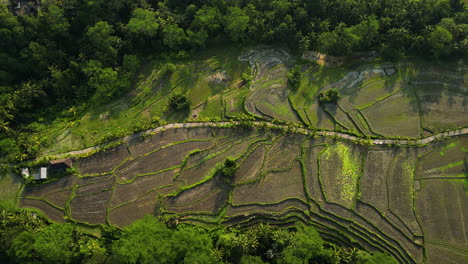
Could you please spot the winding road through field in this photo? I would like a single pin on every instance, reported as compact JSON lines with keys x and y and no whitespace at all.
{"x":259,"y":124}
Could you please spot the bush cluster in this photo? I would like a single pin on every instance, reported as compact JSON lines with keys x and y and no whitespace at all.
{"x":330,"y":96}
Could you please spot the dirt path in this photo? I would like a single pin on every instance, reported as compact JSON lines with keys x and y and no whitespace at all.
{"x":383,"y":141}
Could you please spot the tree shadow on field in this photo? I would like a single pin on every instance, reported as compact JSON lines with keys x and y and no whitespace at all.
{"x":177,"y":116}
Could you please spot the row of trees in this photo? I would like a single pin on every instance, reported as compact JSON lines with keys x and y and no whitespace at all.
{"x":27,"y":239}
{"x":77,"y":53}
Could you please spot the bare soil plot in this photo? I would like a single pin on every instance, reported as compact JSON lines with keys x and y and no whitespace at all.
{"x":393,"y":236}
{"x":96,"y":187}
{"x":437,"y":254}
{"x":140,"y":147}
{"x":127,"y":214}
{"x":249,"y":170}
{"x":59,"y":198}
{"x":274,"y":188}
{"x":340,"y":166}
{"x":197,"y":192}
{"x":312,"y":178}
{"x":102,"y":162}
{"x":444,"y":161}
{"x":159,"y":160}
{"x":141,"y":185}
{"x":90,"y":208}
{"x":442,"y":208}
{"x":373,"y":185}
{"x":43,"y":190}
{"x":92,"y":179}
{"x":209,"y":203}
{"x":397,"y":115}
{"x":201,"y":166}
{"x":400,"y":182}
{"x":49,"y":211}
{"x":281,"y":207}
{"x":282,"y":155}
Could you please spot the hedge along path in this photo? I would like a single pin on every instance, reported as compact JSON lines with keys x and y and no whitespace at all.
{"x":403,"y":142}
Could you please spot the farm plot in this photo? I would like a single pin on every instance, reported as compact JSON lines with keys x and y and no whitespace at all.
{"x":161,"y":159}
{"x":273,"y":188}
{"x":95,"y":187}
{"x":234,"y":103}
{"x":269,"y":94}
{"x":250,"y":168}
{"x":43,"y":190}
{"x":139,"y":147}
{"x":442,"y":208}
{"x":367,"y":194}
{"x":92,"y":179}
{"x":445,"y":161}
{"x":340,"y":167}
{"x":397,"y":115}
{"x":370,"y":223}
{"x":51,"y":212}
{"x":10,"y":188}
{"x":128,"y":213}
{"x":311,"y":177}
{"x":139,"y":186}
{"x":341,"y":117}
{"x":90,"y":208}
{"x":400,"y":182}
{"x":374,"y":90}
{"x":59,"y":198}
{"x":374,"y":179}
{"x":437,"y":253}
{"x":103,"y":162}
{"x":281,"y":207}
{"x":441,"y":108}
{"x":208,"y":197}
{"x":203,"y":165}
{"x":282,"y":154}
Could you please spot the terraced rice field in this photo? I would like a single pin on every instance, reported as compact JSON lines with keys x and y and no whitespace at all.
{"x":409,"y":202}
{"x":407,"y":197}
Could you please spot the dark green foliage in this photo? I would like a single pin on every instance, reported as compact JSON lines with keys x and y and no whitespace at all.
{"x":229,"y":168}
{"x":150,"y":241}
{"x":53,"y":244}
{"x":294,"y":78}
{"x":177,"y":102}
{"x":75,"y":53}
{"x":27,"y":238}
{"x":330,"y":96}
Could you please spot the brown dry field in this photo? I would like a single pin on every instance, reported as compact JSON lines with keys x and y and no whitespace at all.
{"x":394,"y":207}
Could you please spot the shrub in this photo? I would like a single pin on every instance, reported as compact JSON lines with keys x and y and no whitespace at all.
{"x":330,"y":96}
{"x":229,"y":167}
{"x":178,"y":102}
{"x":246,"y":79}
{"x":294,"y":78}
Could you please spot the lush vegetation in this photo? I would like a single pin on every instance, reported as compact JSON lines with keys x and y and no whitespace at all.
{"x":294,"y":78}
{"x":329,"y":96}
{"x":28,"y":238}
{"x":75,"y":54}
